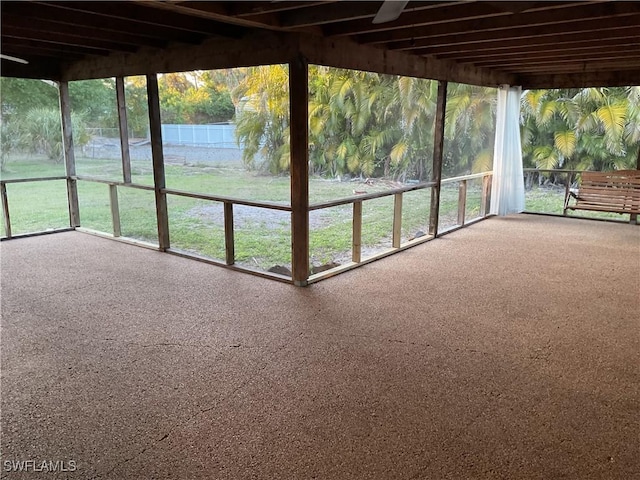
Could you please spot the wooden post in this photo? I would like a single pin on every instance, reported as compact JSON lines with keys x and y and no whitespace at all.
{"x":356,"y":238}
{"x":633,"y":218}
{"x":124,"y":130}
{"x":438,"y":144}
{"x":69,"y":155}
{"x":485,"y":199}
{"x":397,"y":221}
{"x":462,"y":201}
{"x":115,"y":209}
{"x":567,"y":189}
{"x":159,"y":184}
{"x":5,"y":210}
{"x":299,"y":169}
{"x":229,"y":244}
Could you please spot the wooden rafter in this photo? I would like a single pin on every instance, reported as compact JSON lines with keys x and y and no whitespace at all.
{"x":481,"y":42}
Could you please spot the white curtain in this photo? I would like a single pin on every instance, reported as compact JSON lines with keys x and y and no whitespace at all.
{"x":507,"y":189}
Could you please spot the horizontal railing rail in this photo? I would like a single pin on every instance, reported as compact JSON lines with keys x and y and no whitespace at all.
{"x":118,"y":183}
{"x":35,"y":179}
{"x":460,"y":178}
{"x":370,"y":196}
{"x":236,"y":201}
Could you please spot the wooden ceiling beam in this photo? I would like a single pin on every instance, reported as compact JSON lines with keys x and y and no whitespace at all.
{"x":620,"y":57}
{"x":412,"y":21}
{"x":582,"y":67}
{"x":349,"y":11}
{"x":544,"y":42}
{"x":344,"y":53}
{"x":620,"y":78}
{"x":392,"y":39}
{"x":116,"y":26}
{"x":529,"y":37}
{"x":28,"y":53}
{"x":594,"y":52}
{"x":571,"y":13}
{"x":274,"y":47}
{"x":67,"y":40}
{"x":221,"y":12}
{"x":38,"y":25}
{"x":248,"y":9}
{"x":261,"y":48}
{"x":134,"y":12}
{"x":47,"y":49}
{"x":534,"y":48}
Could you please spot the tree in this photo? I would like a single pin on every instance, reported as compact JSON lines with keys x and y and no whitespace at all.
{"x":194,"y":97}
{"x":262,"y":124}
{"x":583,"y":129}
{"x":361,"y":123}
{"x":19,"y":95}
{"x":96,"y":101}
{"x":351,"y":121}
{"x":135,"y":92}
{"x":469,"y":129}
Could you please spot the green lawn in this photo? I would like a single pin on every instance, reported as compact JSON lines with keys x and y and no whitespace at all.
{"x":262,"y":236}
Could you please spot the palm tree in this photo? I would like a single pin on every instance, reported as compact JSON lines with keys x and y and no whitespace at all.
{"x":583,"y":129}
{"x":262,"y":123}
{"x":412,"y":155}
{"x":469,"y":129}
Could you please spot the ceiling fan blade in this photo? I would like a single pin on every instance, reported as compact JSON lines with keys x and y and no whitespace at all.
{"x":12,"y":59}
{"x":390,"y":11}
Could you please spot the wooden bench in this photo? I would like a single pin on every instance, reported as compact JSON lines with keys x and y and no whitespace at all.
{"x":615,"y":192}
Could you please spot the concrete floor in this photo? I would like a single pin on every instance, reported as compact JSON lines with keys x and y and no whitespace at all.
{"x":506,"y":350}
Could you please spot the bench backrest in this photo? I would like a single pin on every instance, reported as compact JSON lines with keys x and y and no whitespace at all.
{"x":617,"y":178}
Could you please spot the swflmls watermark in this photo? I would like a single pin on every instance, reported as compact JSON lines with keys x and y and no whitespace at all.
{"x":41,"y":466}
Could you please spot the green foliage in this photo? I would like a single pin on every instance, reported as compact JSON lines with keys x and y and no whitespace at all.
{"x":12,"y":137}
{"x":135,"y":92}
{"x":96,"y":99}
{"x":584,"y":129}
{"x":43,"y":132}
{"x":262,"y":124}
{"x":363,"y":124}
{"x":194,"y":98}
{"x":469,"y":129}
{"x":20,"y":95}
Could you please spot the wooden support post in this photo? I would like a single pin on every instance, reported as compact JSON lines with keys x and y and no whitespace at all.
{"x":633,"y":218}
{"x":159,"y":184}
{"x":230,"y":252}
{"x":438,"y":144}
{"x":69,"y":155}
{"x":124,"y":130}
{"x":299,"y":169}
{"x":462,"y":201}
{"x":397,"y":221}
{"x":115,"y":209}
{"x":356,"y":239}
{"x":567,"y":189}
{"x":485,"y":199}
{"x":5,"y":210}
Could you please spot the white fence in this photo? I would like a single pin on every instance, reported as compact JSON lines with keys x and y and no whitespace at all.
{"x":218,"y":135}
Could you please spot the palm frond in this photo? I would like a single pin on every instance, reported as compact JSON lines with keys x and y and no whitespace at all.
{"x":565,"y":142}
